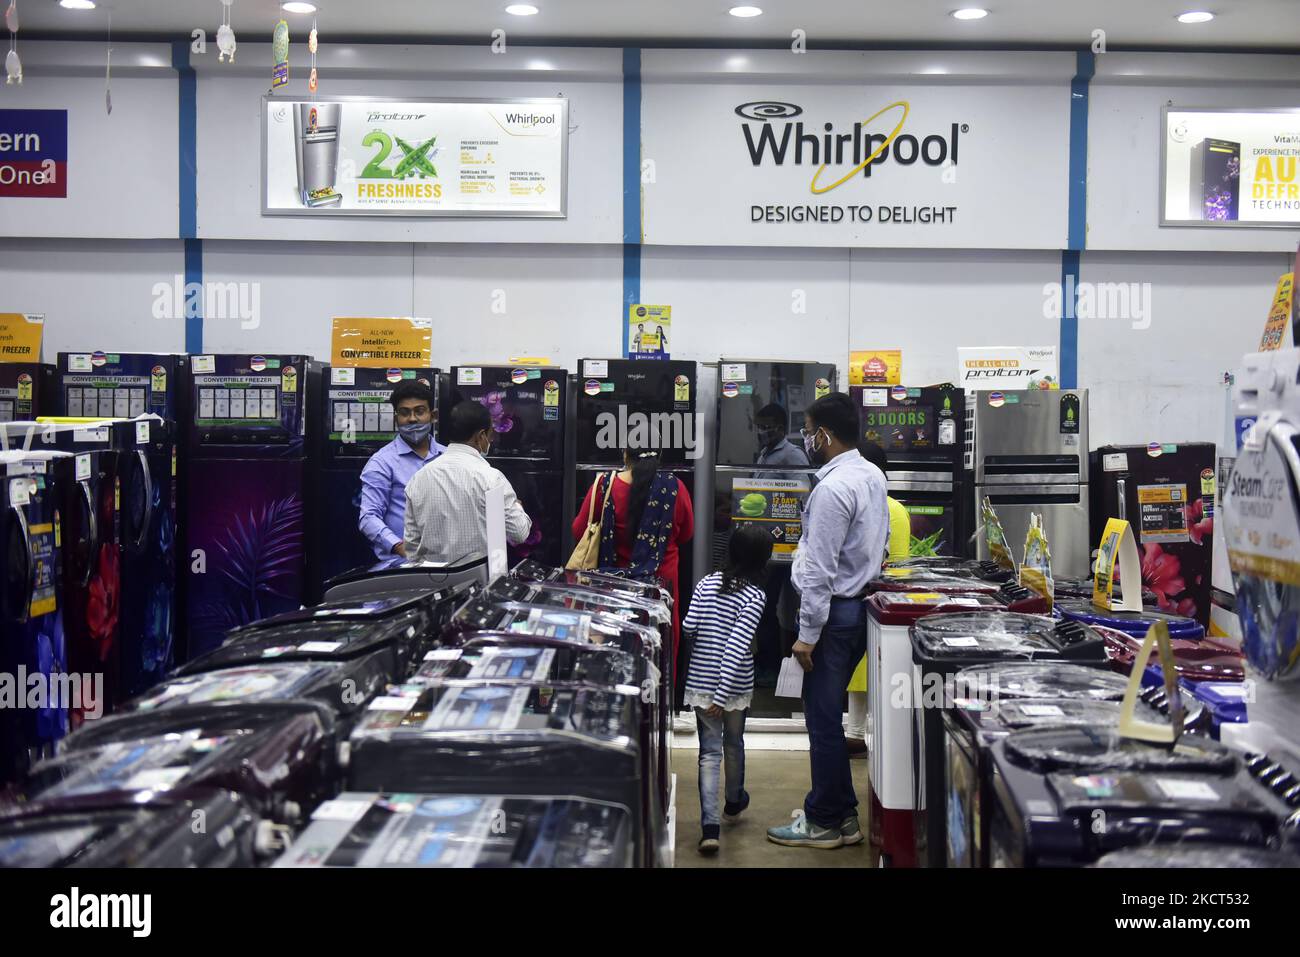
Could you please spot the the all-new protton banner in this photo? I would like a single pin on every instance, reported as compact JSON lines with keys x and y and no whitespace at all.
{"x":365,"y":157}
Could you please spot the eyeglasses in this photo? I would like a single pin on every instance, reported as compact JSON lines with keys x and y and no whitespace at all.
{"x":808,"y":435}
{"x":409,"y":412}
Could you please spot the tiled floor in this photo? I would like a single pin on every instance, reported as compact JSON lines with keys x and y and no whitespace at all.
{"x":777,"y":781}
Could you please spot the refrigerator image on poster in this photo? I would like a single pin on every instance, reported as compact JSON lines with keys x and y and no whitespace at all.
{"x":1031,"y":456}
{"x":1167,"y":495}
{"x":527,"y":405}
{"x":354,"y":421}
{"x":26,"y":390}
{"x":32,"y":599}
{"x":921,"y":430}
{"x":1215,"y":180}
{"x":246,"y":491}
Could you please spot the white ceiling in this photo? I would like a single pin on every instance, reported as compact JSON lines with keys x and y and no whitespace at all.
{"x":1273,"y":23}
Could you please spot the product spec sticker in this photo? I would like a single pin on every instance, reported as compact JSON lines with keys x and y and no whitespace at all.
{"x":1042,"y":711}
{"x":83,"y":466}
{"x":1164,"y":513}
{"x":1115,"y":462}
{"x":1181,"y":790}
{"x":875,"y":397}
{"x":142,"y":433}
{"x":961,"y":642}
{"x":469,"y":376}
{"x":595,"y":368}
{"x":733,"y":372}
{"x":343,"y":375}
{"x":79,"y":362}
{"x":201,"y":364}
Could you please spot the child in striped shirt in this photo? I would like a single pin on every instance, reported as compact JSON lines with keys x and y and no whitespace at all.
{"x":723,"y":618}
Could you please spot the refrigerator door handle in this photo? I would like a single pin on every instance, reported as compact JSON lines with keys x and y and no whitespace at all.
{"x":25,"y":612}
{"x":944,"y":487}
{"x":1121,"y":486}
{"x":148,"y":501}
{"x":1029,"y":492}
{"x":92,"y":542}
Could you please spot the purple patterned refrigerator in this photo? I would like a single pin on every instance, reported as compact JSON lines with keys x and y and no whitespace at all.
{"x":247,"y":491}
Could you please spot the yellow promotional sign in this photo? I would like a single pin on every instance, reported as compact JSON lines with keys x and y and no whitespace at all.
{"x":1278,"y":315}
{"x":648,"y":329}
{"x":1117,"y":550}
{"x":20,"y":337}
{"x":394,"y":343}
{"x":876,"y":367}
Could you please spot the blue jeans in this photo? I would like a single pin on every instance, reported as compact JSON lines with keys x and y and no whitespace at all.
{"x":841,"y":646}
{"x":719,"y":737}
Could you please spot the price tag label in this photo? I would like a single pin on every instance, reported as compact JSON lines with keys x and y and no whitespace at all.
{"x":596,"y":368}
{"x":472,"y":376}
{"x":83,"y":466}
{"x":204,"y":364}
{"x":142,"y":433}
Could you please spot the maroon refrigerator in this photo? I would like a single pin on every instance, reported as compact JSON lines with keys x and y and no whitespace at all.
{"x":1166,"y":492}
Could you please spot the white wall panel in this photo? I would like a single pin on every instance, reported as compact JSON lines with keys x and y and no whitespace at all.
{"x":928,"y":303}
{"x":298,"y":289}
{"x":95,"y":294}
{"x":1164,"y":383}
{"x":489,"y":303}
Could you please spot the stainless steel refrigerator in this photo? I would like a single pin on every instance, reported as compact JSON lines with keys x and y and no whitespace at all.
{"x":1031,"y":455}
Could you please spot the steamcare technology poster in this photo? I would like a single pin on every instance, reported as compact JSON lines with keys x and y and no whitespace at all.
{"x":367,"y":157}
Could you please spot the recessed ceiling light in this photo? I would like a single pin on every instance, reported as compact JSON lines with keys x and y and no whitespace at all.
{"x":77,"y":4}
{"x":746,"y":11}
{"x":521,"y":10}
{"x":1196,"y":16}
{"x":970,"y":13}
{"x":295,"y":7}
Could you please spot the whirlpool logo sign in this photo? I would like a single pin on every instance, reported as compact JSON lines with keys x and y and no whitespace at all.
{"x":775,"y":134}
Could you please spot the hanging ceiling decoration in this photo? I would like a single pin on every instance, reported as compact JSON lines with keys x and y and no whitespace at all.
{"x":13,"y":65}
{"x":225,"y":35}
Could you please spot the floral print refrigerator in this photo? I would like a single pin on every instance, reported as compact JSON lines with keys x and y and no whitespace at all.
{"x":1166,"y":493}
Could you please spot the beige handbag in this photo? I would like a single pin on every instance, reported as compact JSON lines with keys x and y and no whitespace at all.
{"x":586,"y":554}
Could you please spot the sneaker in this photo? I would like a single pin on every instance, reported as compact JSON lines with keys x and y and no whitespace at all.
{"x":850,"y":832}
{"x":731,"y":812}
{"x":709,"y":839}
{"x":803,"y":833}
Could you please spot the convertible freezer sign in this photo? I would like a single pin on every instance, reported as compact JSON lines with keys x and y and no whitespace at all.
{"x":359,"y":156}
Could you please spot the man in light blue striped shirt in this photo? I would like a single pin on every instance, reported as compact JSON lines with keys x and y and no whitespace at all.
{"x":841,"y":548}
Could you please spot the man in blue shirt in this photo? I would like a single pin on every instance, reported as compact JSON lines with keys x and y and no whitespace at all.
{"x":383,"y":480}
{"x":841,"y":548}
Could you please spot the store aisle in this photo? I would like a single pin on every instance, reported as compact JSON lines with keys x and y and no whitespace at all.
{"x":777,"y":782}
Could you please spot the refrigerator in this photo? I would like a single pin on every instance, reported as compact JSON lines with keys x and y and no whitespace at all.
{"x":32,"y":596}
{"x":1030,"y":451}
{"x":921,"y":430}
{"x":354,"y":421}
{"x":527,"y":405}
{"x":26,"y":390}
{"x":247,"y":492}
{"x":620,"y":399}
{"x":1166,"y":493}
{"x":760,"y":409}
{"x":1215,"y":180}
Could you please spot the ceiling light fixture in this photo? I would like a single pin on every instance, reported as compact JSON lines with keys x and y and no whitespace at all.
{"x":522,"y":10}
{"x":295,"y":7}
{"x":77,"y":4}
{"x":1196,"y":16}
{"x":970,"y":13}
{"x":746,"y":11}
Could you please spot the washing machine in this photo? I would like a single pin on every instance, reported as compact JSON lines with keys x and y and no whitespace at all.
{"x":345,"y":687}
{"x":994,"y":700}
{"x":279,"y":755}
{"x":1134,"y":623}
{"x":153,"y":835}
{"x":505,"y":656}
{"x":1082,"y":588}
{"x":398,"y":630}
{"x":890,"y":615}
{"x":1198,"y":856}
{"x":1063,"y":797}
{"x":533,"y":571}
{"x":958,"y":582}
{"x":404,"y":578}
{"x":1224,"y":701}
{"x":1203,"y":660}
{"x":944,"y":644}
{"x":988,"y":571}
{"x":359,"y":829}
{"x":496,"y":737}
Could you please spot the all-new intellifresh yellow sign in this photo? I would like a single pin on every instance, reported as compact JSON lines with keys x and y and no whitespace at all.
{"x":393,"y":343}
{"x":20,"y":337}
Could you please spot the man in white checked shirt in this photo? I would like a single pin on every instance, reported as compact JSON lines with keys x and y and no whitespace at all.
{"x":446,"y":501}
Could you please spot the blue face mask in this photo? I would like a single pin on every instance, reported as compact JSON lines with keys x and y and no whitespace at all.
{"x":415,"y":433}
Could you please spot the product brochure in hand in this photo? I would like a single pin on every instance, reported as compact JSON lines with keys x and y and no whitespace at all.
{"x":774,"y":505}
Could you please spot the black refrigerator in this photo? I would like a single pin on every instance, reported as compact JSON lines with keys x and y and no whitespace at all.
{"x":354,"y":420}
{"x":527,"y":405}
{"x":1166,"y":493}
{"x":26,"y":391}
{"x":922,"y":431}
{"x":247,"y":494}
